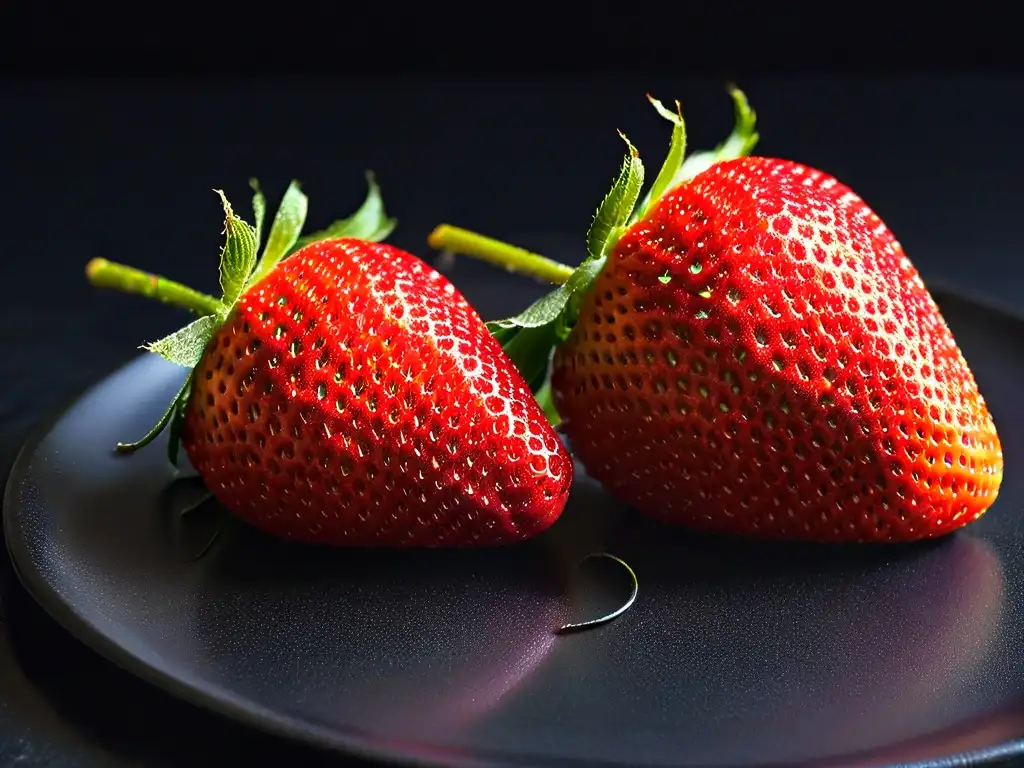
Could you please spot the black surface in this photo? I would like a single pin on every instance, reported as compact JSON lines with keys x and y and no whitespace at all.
{"x":124,"y":168}
{"x":735,"y":654}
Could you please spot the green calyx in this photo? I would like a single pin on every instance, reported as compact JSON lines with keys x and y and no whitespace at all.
{"x":241,"y":266}
{"x":530,"y":337}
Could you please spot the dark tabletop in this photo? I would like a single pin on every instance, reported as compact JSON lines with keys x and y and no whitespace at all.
{"x":125,"y":169}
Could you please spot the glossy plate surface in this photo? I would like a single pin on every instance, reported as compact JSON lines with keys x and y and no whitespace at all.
{"x":735,"y":653}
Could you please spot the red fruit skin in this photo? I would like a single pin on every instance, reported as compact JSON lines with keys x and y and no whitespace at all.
{"x":355,"y":398}
{"x":816,"y":393}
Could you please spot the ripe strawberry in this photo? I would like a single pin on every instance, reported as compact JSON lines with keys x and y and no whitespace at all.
{"x":752,"y":352}
{"x":349,"y":395}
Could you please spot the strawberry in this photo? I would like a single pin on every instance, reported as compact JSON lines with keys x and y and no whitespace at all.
{"x":750,"y":351}
{"x":349,"y":395}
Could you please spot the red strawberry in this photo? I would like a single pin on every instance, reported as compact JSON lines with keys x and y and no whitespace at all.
{"x":752,"y":352}
{"x":349,"y":395}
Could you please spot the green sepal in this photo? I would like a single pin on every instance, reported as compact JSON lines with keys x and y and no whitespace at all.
{"x":259,"y":209}
{"x":186,"y":345}
{"x":177,"y":418}
{"x":237,"y":257}
{"x":546,"y":402}
{"x":557,"y":307}
{"x":239,"y":269}
{"x":370,"y":222}
{"x":285,"y":231}
{"x":617,"y":206}
{"x":530,"y":337}
{"x":739,"y":143}
{"x":530,"y":351}
{"x":673,"y":160}
{"x":676,"y":170}
{"x":173,"y":411}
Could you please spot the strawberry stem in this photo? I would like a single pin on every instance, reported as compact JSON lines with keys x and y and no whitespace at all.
{"x":109,"y":274}
{"x":460,"y":241}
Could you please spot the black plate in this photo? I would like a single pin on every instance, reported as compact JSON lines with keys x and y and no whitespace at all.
{"x":734,"y":654}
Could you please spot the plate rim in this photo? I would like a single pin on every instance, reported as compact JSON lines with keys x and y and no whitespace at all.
{"x":346,"y":740}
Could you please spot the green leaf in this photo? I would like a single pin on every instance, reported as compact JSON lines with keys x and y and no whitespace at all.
{"x":285,"y":231}
{"x":547,"y":404}
{"x":578,"y":285}
{"x":185,"y":346}
{"x":530,"y":350}
{"x":615,"y":209}
{"x":259,"y":210}
{"x":543,"y":311}
{"x":179,"y":404}
{"x":173,"y":410}
{"x":238,"y":255}
{"x":740,"y":143}
{"x":674,"y":158}
{"x":501,"y":332}
{"x":550,"y":308}
{"x":369,"y":223}
{"x":529,"y":337}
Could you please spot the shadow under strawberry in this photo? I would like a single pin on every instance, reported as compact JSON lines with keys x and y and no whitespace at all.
{"x":407,"y":609}
{"x":419,"y":642}
{"x":817,"y":649}
{"x":770,"y":652}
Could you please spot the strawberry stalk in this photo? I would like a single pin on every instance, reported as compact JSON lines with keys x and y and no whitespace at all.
{"x":456,"y":240}
{"x":530,"y":337}
{"x":241,"y":266}
{"x":119,"y":277}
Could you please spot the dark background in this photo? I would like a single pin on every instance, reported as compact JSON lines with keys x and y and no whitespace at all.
{"x":116,"y":154}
